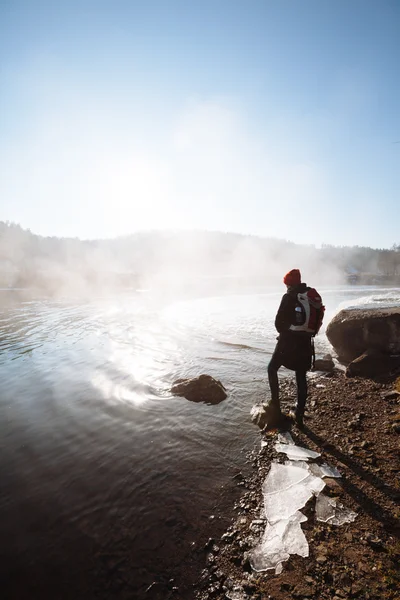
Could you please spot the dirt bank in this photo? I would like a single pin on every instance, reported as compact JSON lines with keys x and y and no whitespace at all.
{"x":355,"y":424}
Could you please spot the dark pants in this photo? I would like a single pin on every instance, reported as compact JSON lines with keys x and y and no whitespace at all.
{"x":301,"y":379}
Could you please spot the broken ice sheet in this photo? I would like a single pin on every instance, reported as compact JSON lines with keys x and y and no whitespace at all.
{"x":286,"y":489}
{"x":324,"y":470}
{"x":279,"y":541}
{"x":328,"y":510}
{"x":285,"y":438}
{"x":296,"y":452}
{"x":299,"y":463}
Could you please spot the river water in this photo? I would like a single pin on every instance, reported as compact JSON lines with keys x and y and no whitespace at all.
{"x":108,"y":482}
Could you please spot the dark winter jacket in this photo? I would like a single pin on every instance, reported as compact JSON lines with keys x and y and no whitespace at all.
{"x":294,"y":347}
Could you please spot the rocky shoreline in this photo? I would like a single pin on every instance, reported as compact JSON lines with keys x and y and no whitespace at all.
{"x":354,"y":424}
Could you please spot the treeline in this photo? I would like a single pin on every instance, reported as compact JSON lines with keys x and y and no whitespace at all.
{"x":29,"y":260}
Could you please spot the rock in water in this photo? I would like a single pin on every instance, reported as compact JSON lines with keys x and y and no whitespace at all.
{"x":373,"y":364}
{"x":259,"y":415}
{"x":200,"y":389}
{"x":354,"y":331}
{"x":267,"y":415}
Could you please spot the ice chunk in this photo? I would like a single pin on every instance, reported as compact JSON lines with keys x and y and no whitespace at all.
{"x":328,"y":510}
{"x":279,"y":541}
{"x":324,"y":470}
{"x":263,"y":443}
{"x":286,"y":489}
{"x":296,"y":452}
{"x":285,"y":438}
{"x":298,"y":463}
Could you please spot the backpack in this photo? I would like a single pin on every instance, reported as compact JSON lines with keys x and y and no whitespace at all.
{"x":309,"y":312}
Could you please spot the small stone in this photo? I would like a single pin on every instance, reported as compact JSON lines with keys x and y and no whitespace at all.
{"x":333,"y":486}
{"x":237,"y":560}
{"x":214,"y":589}
{"x":208,"y":544}
{"x":375,"y":542}
{"x":357,"y":589}
{"x":391,"y":395}
{"x":321,"y":559}
{"x":257,"y":522}
{"x":248,"y":587}
{"x":302,"y":591}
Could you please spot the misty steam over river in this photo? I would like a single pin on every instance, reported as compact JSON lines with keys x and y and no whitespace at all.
{"x":102,"y":470}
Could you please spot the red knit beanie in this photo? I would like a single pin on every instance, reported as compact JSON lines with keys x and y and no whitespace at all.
{"x":292,"y":278}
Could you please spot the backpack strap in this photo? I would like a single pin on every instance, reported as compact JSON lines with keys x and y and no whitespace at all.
{"x":312,"y":353}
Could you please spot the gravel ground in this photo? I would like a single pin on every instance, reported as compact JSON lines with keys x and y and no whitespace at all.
{"x":355,"y":425}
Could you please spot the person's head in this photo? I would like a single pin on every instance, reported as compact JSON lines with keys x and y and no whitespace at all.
{"x":292,"y":278}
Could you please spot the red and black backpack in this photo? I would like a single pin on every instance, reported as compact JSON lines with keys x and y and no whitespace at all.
{"x":309,"y":312}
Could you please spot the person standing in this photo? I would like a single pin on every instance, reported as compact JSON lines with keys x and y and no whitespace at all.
{"x":298,"y":319}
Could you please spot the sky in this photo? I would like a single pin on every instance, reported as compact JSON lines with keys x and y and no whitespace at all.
{"x":277,"y":118}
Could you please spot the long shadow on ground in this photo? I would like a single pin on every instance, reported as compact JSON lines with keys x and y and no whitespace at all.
{"x":368,"y":505}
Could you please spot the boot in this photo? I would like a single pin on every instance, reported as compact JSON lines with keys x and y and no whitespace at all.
{"x":274,"y":415}
{"x":298,"y":418}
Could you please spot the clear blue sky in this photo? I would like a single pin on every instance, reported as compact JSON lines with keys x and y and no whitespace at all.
{"x":272,"y":117}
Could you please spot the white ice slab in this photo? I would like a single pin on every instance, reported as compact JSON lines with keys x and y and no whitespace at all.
{"x":286,"y":489}
{"x":285,"y":438}
{"x":279,"y":541}
{"x":324,"y":470}
{"x":295,"y":452}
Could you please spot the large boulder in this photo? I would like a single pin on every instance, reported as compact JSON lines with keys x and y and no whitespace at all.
{"x":200,"y":389}
{"x":354,"y":331}
{"x":374,"y":365}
